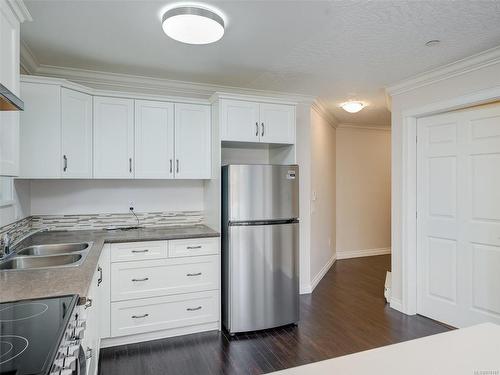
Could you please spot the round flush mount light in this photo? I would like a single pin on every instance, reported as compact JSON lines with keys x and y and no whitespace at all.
{"x":353,"y":106}
{"x":193,"y":24}
{"x":432,"y":43}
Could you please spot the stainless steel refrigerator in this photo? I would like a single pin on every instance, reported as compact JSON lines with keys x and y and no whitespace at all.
{"x":260,"y":246}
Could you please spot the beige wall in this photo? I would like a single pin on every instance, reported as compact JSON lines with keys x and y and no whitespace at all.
{"x":323,"y":141}
{"x":363,"y":191}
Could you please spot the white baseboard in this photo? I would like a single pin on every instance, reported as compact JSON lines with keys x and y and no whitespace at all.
{"x":396,"y":304}
{"x":362,"y":253}
{"x":308,"y":289}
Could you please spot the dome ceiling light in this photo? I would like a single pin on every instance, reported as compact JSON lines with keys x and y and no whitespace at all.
{"x":193,"y":24}
{"x":353,"y":106}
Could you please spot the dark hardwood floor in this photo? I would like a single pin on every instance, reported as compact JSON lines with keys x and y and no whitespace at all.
{"x":346,"y":313}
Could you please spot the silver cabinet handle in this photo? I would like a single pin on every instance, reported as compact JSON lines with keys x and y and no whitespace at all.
{"x":88,"y":303}
{"x":256,"y":129}
{"x":193,"y":308}
{"x":140,"y":316}
{"x":177,"y":166}
{"x":140,"y":251}
{"x":194,"y":274}
{"x":262,"y":130}
{"x":193,"y":247}
{"x":143,"y":279}
{"x":130,"y":165}
{"x":99,"y":280}
{"x":171,"y":170}
{"x":65,"y":163}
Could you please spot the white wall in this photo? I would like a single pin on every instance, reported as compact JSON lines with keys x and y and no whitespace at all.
{"x":466,"y":83}
{"x":363,"y":191}
{"x":303,"y":152}
{"x":63,"y":197}
{"x":323,"y":145}
{"x":315,"y":151}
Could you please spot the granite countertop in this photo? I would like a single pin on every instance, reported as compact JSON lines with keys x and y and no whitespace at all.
{"x":28,"y":284}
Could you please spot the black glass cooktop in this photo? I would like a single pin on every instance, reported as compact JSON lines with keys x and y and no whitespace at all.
{"x":30,"y":333}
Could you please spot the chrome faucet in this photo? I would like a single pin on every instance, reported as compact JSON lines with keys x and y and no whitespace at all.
{"x":5,"y":245}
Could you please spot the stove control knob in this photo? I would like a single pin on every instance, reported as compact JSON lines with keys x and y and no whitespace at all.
{"x":78,"y":333}
{"x":81,"y":323}
{"x":68,"y":362}
{"x":66,"y":371}
{"x":70,"y":349}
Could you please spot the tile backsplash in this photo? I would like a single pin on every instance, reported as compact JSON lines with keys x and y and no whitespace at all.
{"x":102,"y":221}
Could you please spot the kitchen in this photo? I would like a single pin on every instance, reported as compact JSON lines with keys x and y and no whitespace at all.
{"x":140,"y":213}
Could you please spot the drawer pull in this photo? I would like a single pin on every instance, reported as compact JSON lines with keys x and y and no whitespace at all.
{"x":194,"y":274}
{"x":143,"y":279}
{"x":140,"y":316}
{"x":193,"y":308}
{"x":140,"y":251}
{"x":194,"y":247}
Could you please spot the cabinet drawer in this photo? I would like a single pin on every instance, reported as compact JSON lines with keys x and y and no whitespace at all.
{"x":124,"y":252}
{"x":132,"y":280}
{"x":153,"y":314}
{"x":193,"y":247}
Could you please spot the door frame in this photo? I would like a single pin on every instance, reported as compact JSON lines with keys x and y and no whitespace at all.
{"x":407,"y":206}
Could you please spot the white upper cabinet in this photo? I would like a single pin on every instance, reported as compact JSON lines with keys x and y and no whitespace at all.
{"x":277,"y":123}
{"x":240,"y":121}
{"x":245,"y":121}
{"x":76,"y":115}
{"x":113,"y":137}
{"x":192,"y":141}
{"x":40,"y":131}
{"x":9,"y":77}
{"x":154,"y":139}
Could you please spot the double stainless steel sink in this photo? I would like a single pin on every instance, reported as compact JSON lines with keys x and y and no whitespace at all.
{"x":47,"y":256}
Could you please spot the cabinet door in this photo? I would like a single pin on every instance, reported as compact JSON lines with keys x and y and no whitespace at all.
{"x":9,"y":77}
{"x":76,"y":134}
{"x":192,"y":141}
{"x":40,"y":131}
{"x":154,"y":139}
{"x":277,"y":123}
{"x":113,"y":137}
{"x":240,"y":121}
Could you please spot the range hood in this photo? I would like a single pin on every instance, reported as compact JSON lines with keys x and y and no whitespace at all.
{"x":9,"y":101}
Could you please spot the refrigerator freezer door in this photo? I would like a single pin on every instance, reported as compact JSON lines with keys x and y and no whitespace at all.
{"x":263,"y":277}
{"x":261,"y":192}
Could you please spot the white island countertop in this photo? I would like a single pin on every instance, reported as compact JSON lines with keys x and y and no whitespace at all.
{"x":469,"y":351}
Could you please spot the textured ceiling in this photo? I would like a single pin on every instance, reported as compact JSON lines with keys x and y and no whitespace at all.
{"x":332,"y":49}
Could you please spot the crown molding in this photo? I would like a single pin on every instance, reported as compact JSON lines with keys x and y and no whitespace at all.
{"x":20,"y":10}
{"x":148,"y":85}
{"x":457,"y":68}
{"x":28,"y":60}
{"x":319,"y":106}
{"x":364,"y":126}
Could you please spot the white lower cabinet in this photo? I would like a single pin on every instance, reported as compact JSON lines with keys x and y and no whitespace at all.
{"x":160,"y":313}
{"x":159,"y":288}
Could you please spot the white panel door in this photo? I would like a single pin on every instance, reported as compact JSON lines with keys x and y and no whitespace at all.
{"x":458,"y":220}
{"x":40,"y":131}
{"x":76,"y":118}
{"x":154,"y":139}
{"x":277,"y":123}
{"x":240,"y":121}
{"x":113,"y":137}
{"x":192,"y":141}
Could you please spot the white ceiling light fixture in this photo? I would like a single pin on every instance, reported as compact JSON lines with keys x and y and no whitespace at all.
{"x":353,"y":106}
{"x":193,"y":24}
